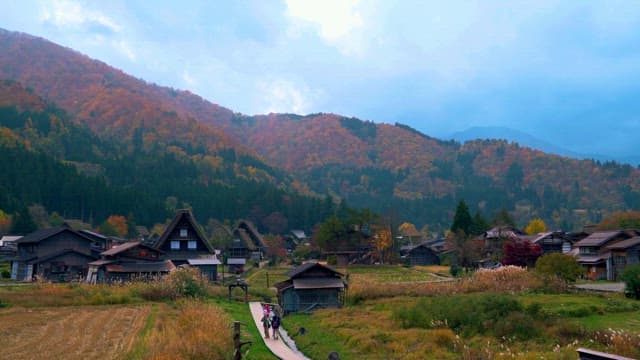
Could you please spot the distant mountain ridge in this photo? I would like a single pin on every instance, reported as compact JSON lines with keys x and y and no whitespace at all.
{"x":392,"y":169}
{"x":525,"y":139}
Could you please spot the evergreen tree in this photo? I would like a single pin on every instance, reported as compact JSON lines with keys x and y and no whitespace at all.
{"x":502,"y":218}
{"x":462,"y":219}
{"x":479,"y":224}
{"x":23,"y":224}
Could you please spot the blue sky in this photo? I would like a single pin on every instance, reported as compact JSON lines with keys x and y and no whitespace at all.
{"x":564,"y":71}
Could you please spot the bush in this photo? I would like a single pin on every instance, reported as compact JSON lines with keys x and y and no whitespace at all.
{"x":178,"y":284}
{"x":5,"y":274}
{"x":455,"y":270}
{"x":631,"y":278}
{"x":561,"y":266}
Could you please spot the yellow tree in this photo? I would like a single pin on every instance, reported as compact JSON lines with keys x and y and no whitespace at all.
{"x":5,"y":222}
{"x":535,"y":226}
{"x":382,"y":241}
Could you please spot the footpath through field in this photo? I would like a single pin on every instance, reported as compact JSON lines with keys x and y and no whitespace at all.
{"x":277,"y":347}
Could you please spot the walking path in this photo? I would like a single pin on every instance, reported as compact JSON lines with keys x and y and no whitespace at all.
{"x":607,"y":287}
{"x":277,"y":347}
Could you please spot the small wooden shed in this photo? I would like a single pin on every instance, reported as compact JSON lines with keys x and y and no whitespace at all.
{"x":420,"y":254}
{"x":310,"y":286}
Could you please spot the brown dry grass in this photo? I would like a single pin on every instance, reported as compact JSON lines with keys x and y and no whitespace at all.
{"x":70,"y":332}
{"x":193,"y":330}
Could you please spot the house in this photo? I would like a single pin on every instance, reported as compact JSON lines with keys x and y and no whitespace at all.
{"x":310,"y":286}
{"x":552,"y":242}
{"x":128,"y":261}
{"x":247,"y":242}
{"x":183,"y":240}
{"x":295,"y":239}
{"x":236,"y":265}
{"x":58,"y":254}
{"x":207,"y":266}
{"x":8,"y":246}
{"x":492,"y":240}
{"x":420,"y":254}
{"x":594,"y":253}
{"x":624,"y":253}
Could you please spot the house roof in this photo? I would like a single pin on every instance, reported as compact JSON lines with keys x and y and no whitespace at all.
{"x":248,"y":233}
{"x":141,"y":267}
{"x":625,"y":244}
{"x":308,"y":266}
{"x":42,"y":234}
{"x":126,"y":246}
{"x":502,"y":232}
{"x":101,"y":262}
{"x":598,"y":238}
{"x":10,"y":238}
{"x":318,"y":283}
{"x":236,"y":261}
{"x":206,"y":261}
{"x":299,"y":234}
{"x":591,"y":260}
{"x":60,"y":253}
{"x":180,"y":214}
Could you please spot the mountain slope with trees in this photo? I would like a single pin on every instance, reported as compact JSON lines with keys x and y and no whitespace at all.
{"x":392,"y":169}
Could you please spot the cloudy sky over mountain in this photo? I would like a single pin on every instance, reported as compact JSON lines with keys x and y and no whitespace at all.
{"x":564,"y":71}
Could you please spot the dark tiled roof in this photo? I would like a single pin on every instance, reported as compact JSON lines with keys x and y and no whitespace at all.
{"x":62,"y":252}
{"x":625,"y":244}
{"x":126,"y":246}
{"x":598,"y":238}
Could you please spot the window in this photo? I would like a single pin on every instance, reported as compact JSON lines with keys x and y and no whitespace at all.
{"x":192,"y":245}
{"x":183,"y":233}
{"x":175,"y":245}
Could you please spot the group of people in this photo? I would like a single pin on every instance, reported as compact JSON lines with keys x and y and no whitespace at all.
{"x":270,"y":320}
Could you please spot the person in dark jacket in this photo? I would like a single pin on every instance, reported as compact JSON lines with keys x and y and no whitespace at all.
{"x":275,"y":325}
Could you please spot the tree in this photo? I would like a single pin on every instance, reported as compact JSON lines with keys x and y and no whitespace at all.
{"x":621,"y":220}
{"x":631,"y":278}
{"x":520,"y":253}
{"x":115,"y":225}
{"x":5,"y":222}
{"x":502,"y":218}
{"x":479,"y":224}
{"x":382,"y":241}
{"x":535,"y":226}
{"x":23,"y":223}
{"x":561,"y":266}
{"x":462,"y":219}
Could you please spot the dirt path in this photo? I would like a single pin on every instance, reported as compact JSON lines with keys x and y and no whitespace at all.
{"x":277,"y":347}
{"x":70,"y":332}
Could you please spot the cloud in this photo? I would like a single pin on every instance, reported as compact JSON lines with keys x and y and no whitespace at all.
{"x":281,"y":95}
{"x":336,"y":21}
{"x":70,"y":14}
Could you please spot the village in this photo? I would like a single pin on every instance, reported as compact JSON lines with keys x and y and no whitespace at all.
{"x":335,"y":279}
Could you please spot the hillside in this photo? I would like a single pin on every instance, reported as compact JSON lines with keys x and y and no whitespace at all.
{"x":51,"y":160}
{"x":390,"y":168}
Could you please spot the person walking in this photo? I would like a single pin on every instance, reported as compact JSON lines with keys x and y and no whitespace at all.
{"x":275,"y":325}
{"x":266,"y":323}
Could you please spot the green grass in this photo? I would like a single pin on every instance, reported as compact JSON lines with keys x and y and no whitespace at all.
{"x":394,"y":273}
{"x":629,"y":321}
{"x":582,"y":305}
{"x":317,"y":342}
{"x":239,"y":311}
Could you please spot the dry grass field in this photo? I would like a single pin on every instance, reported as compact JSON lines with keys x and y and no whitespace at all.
{"x":80,"y":332}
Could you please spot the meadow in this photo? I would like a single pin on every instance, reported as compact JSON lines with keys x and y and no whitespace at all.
{"x":392,"y":312}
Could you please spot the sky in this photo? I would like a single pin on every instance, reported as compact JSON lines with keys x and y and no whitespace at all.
{"x":567,"y":72}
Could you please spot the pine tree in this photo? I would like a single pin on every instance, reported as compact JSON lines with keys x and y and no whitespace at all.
{"x":23,"y":224}
{"x":462,"y":219}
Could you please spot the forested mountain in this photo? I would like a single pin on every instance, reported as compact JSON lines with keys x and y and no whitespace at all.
{"x":51,"y":160}
{"x":390,"y":168}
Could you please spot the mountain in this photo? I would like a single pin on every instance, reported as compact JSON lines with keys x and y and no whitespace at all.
{"x":524,"y":139}
{"x":177,"y":144}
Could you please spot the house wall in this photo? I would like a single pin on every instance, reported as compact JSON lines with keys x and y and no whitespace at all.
{"x":66,"y":267}
{"x":300,"y":300}
{"x":184,"y":251}
{"x":61,"y":241}
{"x":423,"y":256}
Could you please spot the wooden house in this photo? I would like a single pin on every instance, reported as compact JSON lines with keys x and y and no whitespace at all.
{"x":492,"y":241}
{"x":595,"y":256}
{"x":128,"y":261}
{"x":247,"y":242}
{"x":310,"y":286}
{"x":623,"y":254}
{"x":236,"y":265}
{"x":57,"y":254}
{"x":207,"y":266}
{"x":420,"y":254}
{"x":552,"y":242}
{"x":183,"y":240}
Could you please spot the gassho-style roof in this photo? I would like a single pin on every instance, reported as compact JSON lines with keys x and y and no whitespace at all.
{"x":598,"y":238}
{"x":308,"y":266}
{"x":625,"y":244}
{"x":126,"y":246}
{"x":183,"y":213}
{"x":42,"y":234}
{"x":141,"y":267}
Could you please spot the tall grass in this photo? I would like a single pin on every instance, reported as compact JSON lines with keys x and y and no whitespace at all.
{"x":508,"y":279}
{"x":196,"y":331}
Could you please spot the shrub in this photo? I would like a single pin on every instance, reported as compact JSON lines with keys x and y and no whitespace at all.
{"x":455,"y":270}
{"x":179,"y":283}
{"x":561,"y":266}
{"x":631,"y":278}
{"x":5,"y":274}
